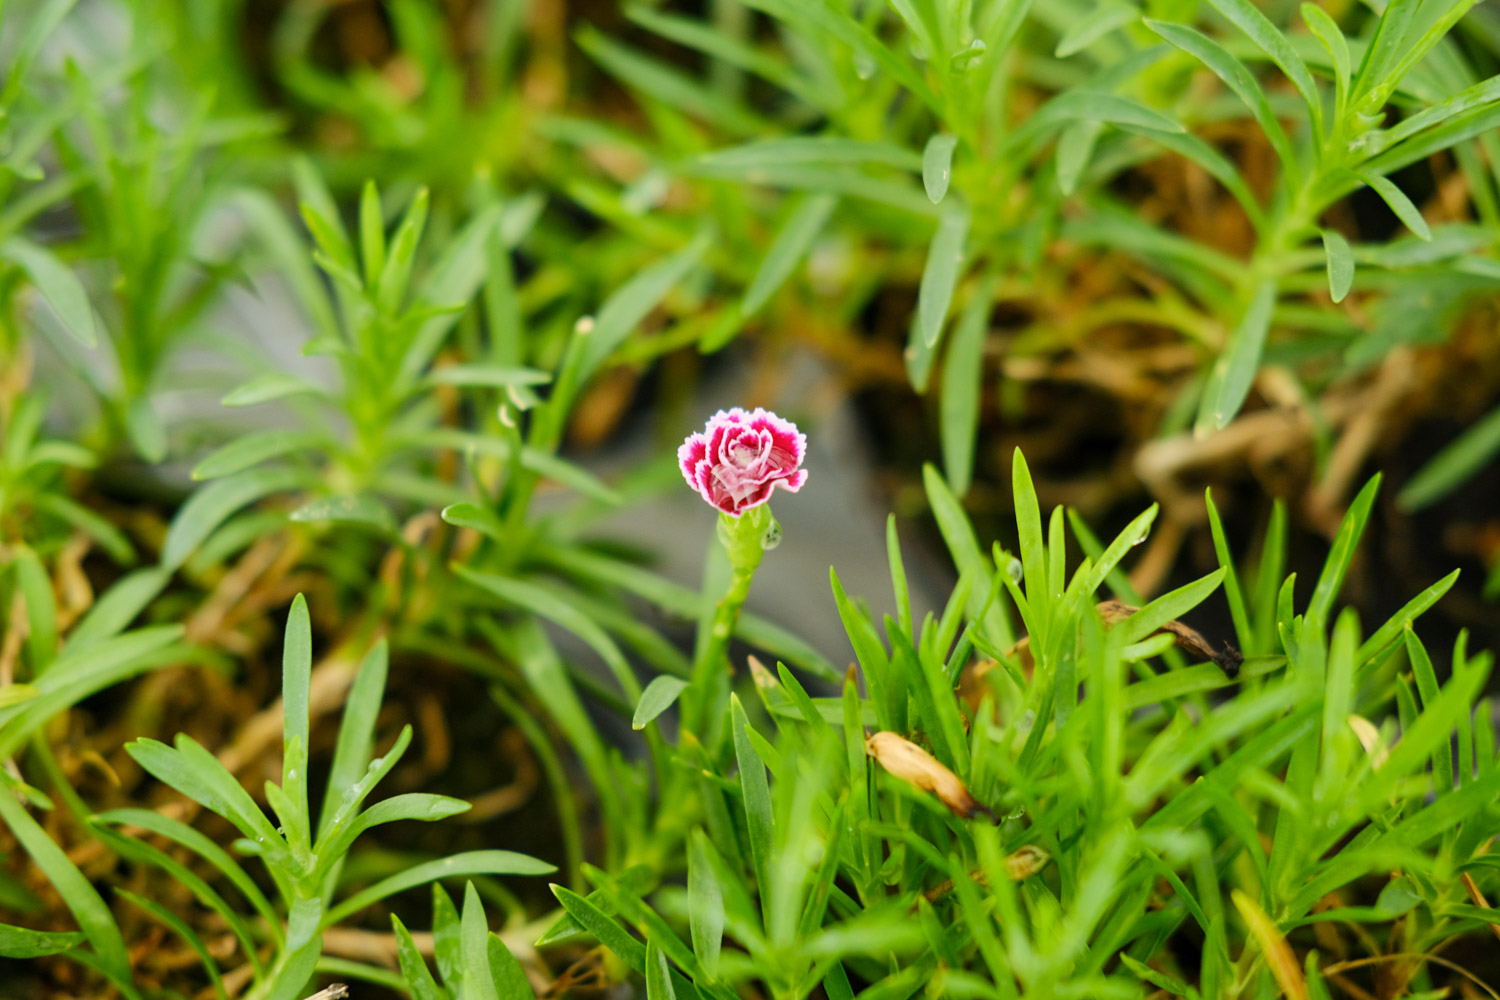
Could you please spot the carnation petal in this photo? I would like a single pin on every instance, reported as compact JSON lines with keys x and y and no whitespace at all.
{"x":740,"y":458}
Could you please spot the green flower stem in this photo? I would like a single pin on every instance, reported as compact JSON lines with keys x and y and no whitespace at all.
{"x":746,"y":539}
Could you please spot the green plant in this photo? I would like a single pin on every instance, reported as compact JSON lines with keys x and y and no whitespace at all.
{"x":1137,"y":806}
{"x":497,"y":257}
{"x":303,"y":857}
{"x":384,"y":335}
{"x":100,"y":653}
{"x":471,"y":961}
{"x":1022,"y":121}
{"x":27,"y":124}
{"x":34,"y":498}
{"x":147,"y":193}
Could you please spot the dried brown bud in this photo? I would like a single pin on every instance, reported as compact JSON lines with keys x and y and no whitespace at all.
{"x":905,"y":760}
{"x":1024,"y":863}
{"x":764,"y":679}
{"x":1189,"y":640}
{"x":1370,"y":739}
{"x":972,"y":687}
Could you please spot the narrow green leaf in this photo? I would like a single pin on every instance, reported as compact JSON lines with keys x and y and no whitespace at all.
{"x":604,"y":928}
{"x":101,"y":529}
{"x":1456,"y":129}
{"x":1029,"y":533}
{"x":1342,"y":554}
{"x":1399,"y":203}
{"x":1427,"y":687}
{"x":791,"y":244}
{"x":40,"y":25}
{"x":57,"y":284}
{"x":34,"y":586}
{"x":554,"y":605}
{"x":898,"y":575}
{"x":1161,"y":980}
{"x":1085,"y":104}
{"x":454,"y":866}
{"x":76,"y":674}
{"x":770,"y":154}
{"x":467,"y":515}
{"x":919,"y":355}
{"x":1074,"y":147}
{"x":371,"y":233}
{"x":1338,"y":703}
{"x":270,"y":386}
{"x":958,"y":534}
{"x":937,"y":165}
{"x":705,"y":37}
{"x":508,"y":976}
{"x":963,"y":380}
{"x":148,"y":435}
{"x":565,"y":473}
{"x":546,"y":676}
{"x":656,"y":699}
{"x":1130,"y":536}
{"x":705,"y":905}
{"x":665,"y":84}
{"x":320,"y":211}
{"x":252,"y":449}
{"x":1248,"y":18}
{"x":1385,"y":49}
{"x":1235,"y":76}
{"x":623,"y":311}
{"x":304,"y":945}
{"x":474,"y":943}
{"x":447,"y":944}
{"x":180,"y":927}
{"x":1232,"y":592}
{"x":451,"y":281}
{"x":21,"y":942}
{"x":284,"y":243}
{"x":413,"y":969}
{"x":1326,"y":30}
{"x":206,"y":509}
{"x":756,"y":794}
{"x":491,"y":376}
{"x":390,"y":289}
{"x":181,"y":833}
{"x":356,"y":739}
{"x":1418,"y":742}
{"x":1340,"y":263}
{"x":296,"y":681}
{"x":1478,"y":98}
{"x":945,"y":257}
{"x":1234,"y":372}
{"x":361,"y":508}
{"x":1098,"y":22}
{"x":1171,"y":605}
{"x":658,"y":974}
{"x":196,"y":773}
{"x":1397,"y":623}
{"x":78,"y":894}
{"x":1454,"y":465}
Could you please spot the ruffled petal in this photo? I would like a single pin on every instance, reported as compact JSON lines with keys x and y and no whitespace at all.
{"x":692,"y":451}
{"x":741,"y":457}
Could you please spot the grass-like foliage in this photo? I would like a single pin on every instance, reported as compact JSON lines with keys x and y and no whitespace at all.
{"x":1160,"y":826}
{"x":303,"y":855}
{"x":336,"y":298}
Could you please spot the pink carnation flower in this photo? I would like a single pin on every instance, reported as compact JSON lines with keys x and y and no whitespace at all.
{"x":741,"y":457}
